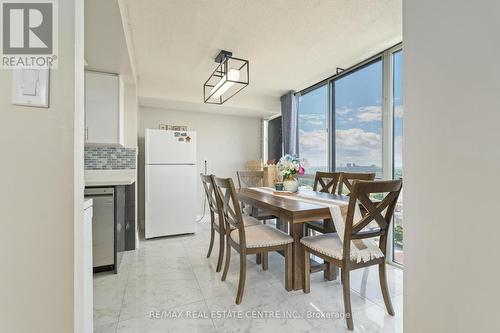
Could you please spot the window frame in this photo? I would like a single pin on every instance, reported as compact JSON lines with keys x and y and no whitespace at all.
{"x":387,"y":119}
{"x":391,"y":120}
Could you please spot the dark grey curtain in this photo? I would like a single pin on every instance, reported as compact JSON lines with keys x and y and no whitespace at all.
{"x":289,"y":115}
{"x":274,"y":140}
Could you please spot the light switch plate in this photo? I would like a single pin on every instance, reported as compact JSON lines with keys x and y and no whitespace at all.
{"x":30,"y":87}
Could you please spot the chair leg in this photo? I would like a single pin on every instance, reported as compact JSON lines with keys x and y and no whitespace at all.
{"x":243,"y":273}
{"x":255,"y":213}
{"x":228,"y":259}
{"x":258,"y":259}
{"x":306,"y":288}
{"x":385,"y":290}
{"x":265,"y":261}
{"x":288,"y":268}
{"x":221,"y":252}
{"x":347,"y":299}
{"x":330,"y":272}
{"x":212,"y":236}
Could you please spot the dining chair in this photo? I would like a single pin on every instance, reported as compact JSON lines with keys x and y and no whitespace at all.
{"x":250,"y":178}
{"x":215,"y":225}
{"x":346,"y":179}
{"x":325,"y":182}
{"x":360,"y":235}
{"x":258,"y":239}
{"x":254,"y":179}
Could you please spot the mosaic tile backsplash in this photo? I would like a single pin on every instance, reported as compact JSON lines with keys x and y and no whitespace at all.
{"x":110,"y":158}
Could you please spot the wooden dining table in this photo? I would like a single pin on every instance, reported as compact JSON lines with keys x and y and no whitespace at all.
{"x":293,"y":213}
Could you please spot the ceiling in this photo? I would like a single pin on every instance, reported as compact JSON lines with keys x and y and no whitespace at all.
{"x":290,"y":44}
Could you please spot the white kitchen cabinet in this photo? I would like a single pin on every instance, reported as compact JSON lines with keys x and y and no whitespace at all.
{"x":103,"y":110}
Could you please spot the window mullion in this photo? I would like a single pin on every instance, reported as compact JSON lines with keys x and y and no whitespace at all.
{"x":331,"y":126}
{"x":387,"y":117}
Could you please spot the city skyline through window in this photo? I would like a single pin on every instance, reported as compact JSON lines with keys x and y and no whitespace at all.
{"x":358,"y":120}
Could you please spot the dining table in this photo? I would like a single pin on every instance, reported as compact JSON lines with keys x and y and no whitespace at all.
{"x":292,"y":210}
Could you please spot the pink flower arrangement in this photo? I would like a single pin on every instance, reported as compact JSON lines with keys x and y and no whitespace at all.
{"x":289,"y":166}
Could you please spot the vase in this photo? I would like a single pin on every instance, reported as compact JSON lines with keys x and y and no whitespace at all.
{"x":291,"y":185}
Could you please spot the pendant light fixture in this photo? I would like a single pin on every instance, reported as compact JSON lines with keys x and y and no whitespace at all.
{"x":229,"y":78}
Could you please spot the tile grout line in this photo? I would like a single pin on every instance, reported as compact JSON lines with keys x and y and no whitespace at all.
{"x":199,"y":286}
{"x":123,"y":300}
{"x":196,"y":263}
{"x":137,"y":316}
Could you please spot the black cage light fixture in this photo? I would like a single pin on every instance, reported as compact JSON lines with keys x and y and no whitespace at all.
{"x":229,"y":78}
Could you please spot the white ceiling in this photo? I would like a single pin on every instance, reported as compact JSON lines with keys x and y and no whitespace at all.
{"x":290,"y":44}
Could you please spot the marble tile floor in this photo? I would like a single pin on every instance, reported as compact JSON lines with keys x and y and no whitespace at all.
{"x":168,"y":285}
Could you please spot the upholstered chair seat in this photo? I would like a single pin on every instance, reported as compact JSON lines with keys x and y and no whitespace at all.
{"x":262,"y":236}
{"x":331,"y":246}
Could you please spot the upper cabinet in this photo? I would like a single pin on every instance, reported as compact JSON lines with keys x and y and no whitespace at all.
{"x":103,"y":109}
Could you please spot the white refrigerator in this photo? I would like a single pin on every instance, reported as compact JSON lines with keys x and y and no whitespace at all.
{"x":170,"y":182}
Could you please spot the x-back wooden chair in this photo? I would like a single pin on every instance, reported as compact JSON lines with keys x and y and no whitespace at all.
{"x":215,"y":224}
{"x":330,"y":248}
{"x":216,"y":218}
{"x":250,"y":178}
{"x":347,"y":178}
{"x":254,"y":179}
{"x":248,"y":240}
{"x":325,"y":182}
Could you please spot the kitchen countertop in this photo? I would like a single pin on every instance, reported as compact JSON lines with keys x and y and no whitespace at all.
{"x":110,"y":177}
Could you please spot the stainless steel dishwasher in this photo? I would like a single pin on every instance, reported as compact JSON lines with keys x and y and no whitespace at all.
{"x":103,"y":228}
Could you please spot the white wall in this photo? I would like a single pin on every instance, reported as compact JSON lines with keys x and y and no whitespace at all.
{"x":82,"y":291}
{"x":36,"y":200}
{"x":130,"y":114}
{"x":226,"y":142}
{"x":452,"y":163}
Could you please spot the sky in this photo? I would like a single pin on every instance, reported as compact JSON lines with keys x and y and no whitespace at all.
{"x":358,"y":118}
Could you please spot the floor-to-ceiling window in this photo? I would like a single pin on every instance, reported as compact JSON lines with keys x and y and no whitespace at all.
{"x":367,"y":129}
{"x":313,"y":130}
{"x":357,"y":104}
{"x":397,"y":91}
